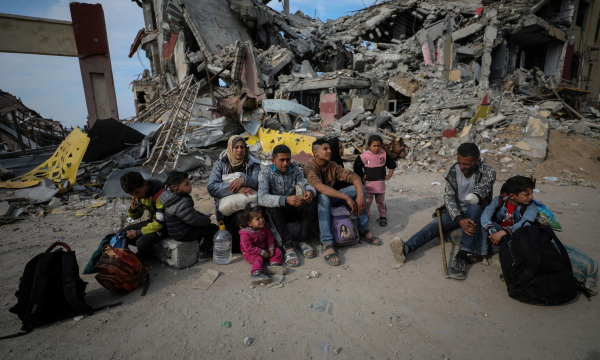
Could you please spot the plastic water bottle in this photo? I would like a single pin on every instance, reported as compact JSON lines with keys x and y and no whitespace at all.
{"x":222,"y":246}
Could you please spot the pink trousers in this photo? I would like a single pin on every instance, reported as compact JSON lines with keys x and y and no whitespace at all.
{"x":257,"y":261}
{"x":380,"y":200}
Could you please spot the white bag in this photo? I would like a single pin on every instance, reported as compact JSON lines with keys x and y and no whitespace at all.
{"x":236,"y":202}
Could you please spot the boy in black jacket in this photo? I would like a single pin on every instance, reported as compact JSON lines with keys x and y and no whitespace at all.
{"x":184,"y":223}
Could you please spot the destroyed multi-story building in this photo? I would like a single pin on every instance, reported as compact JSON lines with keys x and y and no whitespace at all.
{"x":398,"y":67}
{"x":584,"y":71}
{"x":486,"y":44}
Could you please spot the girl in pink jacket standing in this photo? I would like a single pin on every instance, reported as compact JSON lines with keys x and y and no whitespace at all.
{"x":371,"y":166}
{"x":258,"y":245}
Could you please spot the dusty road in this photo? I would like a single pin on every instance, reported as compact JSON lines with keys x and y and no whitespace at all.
{"x":373,"y":310}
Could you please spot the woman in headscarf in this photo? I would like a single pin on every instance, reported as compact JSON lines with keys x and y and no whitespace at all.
{"x":337,"y":151}
{"x":235,"y":159}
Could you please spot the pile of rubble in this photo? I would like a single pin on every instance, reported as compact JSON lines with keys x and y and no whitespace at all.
{"x":425,"y":76}
{"x":433,"y":75}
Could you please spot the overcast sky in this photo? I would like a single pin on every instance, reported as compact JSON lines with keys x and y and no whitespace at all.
{"x":51,"y":85}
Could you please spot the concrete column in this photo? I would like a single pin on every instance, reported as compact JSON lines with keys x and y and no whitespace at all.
{"x":486,"y":60}
{"x":94,"y":60}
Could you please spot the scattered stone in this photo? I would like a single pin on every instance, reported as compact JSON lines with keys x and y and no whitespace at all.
{"x":5,"y":208}
{"x":55,"y":202}
{"x":248,"y":341}
{"x":337,"y":350}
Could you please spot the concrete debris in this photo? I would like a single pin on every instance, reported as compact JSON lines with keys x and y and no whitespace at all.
{"x":426,"y":76}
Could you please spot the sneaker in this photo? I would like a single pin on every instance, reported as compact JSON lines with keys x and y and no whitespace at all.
{"x":458,"y":270}
{"x":382,"y":221}
{"x":204,"y":257}
{"x":275,"y":269}
{"x":258,"y":278}
{"x":399,"y":250}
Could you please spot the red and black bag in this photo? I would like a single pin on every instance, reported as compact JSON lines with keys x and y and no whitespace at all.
{"x":121,"y":271}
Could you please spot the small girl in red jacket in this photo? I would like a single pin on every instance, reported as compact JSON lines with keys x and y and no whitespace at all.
{"x":257,"y":244}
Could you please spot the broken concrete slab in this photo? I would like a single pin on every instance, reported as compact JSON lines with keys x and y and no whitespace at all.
{"x":286,"y":106}
{"x":466,"y":31}
{"x":536,"y":137}
{"x":536,"y":128}
{"x":351,"y":116}
{"x":454,"y":121}
{"x":553,"y":106}
{"x":5,"y":209}
{"x":496,"y":121}
{"x":538,"y":149}
{"x":39,"y":194}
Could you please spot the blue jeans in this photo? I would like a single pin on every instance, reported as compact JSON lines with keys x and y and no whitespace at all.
{"x":324,"y":212}
{"x":476,"y":244}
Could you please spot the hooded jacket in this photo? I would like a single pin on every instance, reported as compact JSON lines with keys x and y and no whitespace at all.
{"x":155,"y":208}
{"x":219,"y":189}
{"x":485,"y":177}
{"x":180,"y":214}
{"x":256,"y":242}
{"x":274,"y":186}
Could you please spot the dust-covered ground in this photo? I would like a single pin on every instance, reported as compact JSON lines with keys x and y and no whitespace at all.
{"x":373,"y":311}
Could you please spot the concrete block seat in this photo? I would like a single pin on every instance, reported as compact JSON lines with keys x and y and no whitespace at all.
{"x":176,"y":254}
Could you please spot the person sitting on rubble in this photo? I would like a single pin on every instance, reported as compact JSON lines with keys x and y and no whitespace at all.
{"x":469,"y":187}
{"x":235,"y":159}
{"x":509,"y":211}
{"x":146,"y":196}
{"x":371,"y":165}
{"x":184,"y":222}
{"x":277,"y":194}
{"x":322,"y":173}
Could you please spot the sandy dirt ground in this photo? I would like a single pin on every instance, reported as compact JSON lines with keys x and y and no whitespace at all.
{"x":373,"y":310}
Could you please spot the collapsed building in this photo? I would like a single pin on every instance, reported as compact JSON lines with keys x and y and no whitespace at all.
{"x":425,"y":76}
{"x":23,"y":129}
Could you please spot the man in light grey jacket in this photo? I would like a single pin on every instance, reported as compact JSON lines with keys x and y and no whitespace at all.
{"x":277,"y":193}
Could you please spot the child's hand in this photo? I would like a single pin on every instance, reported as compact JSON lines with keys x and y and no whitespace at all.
{"x":266,"y":255}
{"x":308,"y":196}
{"x":131,"y":234}
{"x":495,"y":238}
{"x":293,"y":200}
{"x":387,"y":177}
{"x":271,"y":252}
{"x":134,"y":204}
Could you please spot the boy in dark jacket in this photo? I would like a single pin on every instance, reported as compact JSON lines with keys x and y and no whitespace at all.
{"x":145,"y":193}
{"x":184,"y":223}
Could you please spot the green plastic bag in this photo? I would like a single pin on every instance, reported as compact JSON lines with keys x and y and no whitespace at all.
{"x":546,"y":217}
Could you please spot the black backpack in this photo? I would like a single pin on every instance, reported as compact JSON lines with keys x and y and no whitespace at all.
{"x":50,"y":290}
{"x":534,"y":270}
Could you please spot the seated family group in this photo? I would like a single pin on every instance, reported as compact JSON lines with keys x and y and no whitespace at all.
{"x":325,"y":184}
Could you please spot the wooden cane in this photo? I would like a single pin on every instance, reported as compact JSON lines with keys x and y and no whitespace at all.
{"x":443,"y":246}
